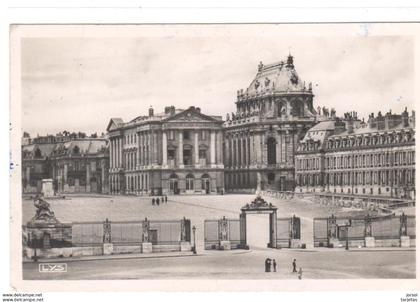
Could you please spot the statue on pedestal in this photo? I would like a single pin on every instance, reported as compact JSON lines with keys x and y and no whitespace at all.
{"x":368,"y":226}
{"x":107,"y":231}
{"x":403,"y":225}
{"x":145,"y":227}
{"x":223,"y":223}
{"x":43,"y":211}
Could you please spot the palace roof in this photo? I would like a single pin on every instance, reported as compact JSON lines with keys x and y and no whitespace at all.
{"x":277,"y":77}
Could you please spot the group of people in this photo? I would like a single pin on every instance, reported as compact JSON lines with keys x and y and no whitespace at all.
{"x":269,"y":262}
{"x":159,"y":200}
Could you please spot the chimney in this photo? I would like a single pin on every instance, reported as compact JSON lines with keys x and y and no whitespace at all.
{"x":151,"y":111}
{"x":167,"y":110}
{"x":404,"y":116}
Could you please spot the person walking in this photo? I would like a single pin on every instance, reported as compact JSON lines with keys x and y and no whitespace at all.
{"x":274,"y":265}
{"x":157,"y":201}
{"x":166,"y":198}
{"x":294,"y":266}
{"x":300,"y":273}
{"x":153,"y":201}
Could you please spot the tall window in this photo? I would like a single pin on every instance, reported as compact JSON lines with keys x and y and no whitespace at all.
{"x":190,"y":182}
{"x":271,"y":151}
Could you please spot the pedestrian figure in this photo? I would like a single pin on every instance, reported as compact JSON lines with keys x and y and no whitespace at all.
{"x":267,"y":265}
{"x":300,"y":273}
{"x":274,"y":265}
{"x":166,"y":198}
{"x":153,"y":201}
{"x":157,"y":201}
{"x":294,"y":266}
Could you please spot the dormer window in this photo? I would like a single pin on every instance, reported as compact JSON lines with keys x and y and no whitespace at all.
{"x":38,"y":153}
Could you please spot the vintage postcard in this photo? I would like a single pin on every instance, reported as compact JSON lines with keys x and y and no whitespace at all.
{"x":214,"y":157}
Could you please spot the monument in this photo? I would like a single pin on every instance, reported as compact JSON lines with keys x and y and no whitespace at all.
{"x":47,"y":188}
{"x":45,"y":230}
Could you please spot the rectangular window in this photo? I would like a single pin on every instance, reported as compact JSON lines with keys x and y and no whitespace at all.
{"x":203,"y":135}
{"x":186,"y":134}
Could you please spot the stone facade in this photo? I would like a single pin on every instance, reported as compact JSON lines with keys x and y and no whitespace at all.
{"x":273,"y":115}
{"x":74,"y":164}
{"x":348,"y":156}
{"x":174,"y":152}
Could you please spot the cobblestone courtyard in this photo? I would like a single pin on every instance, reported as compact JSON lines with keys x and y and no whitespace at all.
{"x":319,"y":263}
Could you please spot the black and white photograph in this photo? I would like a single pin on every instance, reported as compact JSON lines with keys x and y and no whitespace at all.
{"x":269,"y":152}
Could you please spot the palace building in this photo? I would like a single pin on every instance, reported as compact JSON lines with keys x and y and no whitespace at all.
{"x":350,"y":157}
{"x":275,"y":140}
{"x":75,"y":163}
{"x":174,"y":152}
{"x":272,"y":116}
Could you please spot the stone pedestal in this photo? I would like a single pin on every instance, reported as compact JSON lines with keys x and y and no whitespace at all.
{"x":369,"y":241}
{"x":334,"y":242}
{"x":225,"y":245}
{"x":47,"y":188}
{"x":295,"y":243}
{"x":146,"y":248}
{"x":185,"y":246}
{"x":108,"y":248}
{"x":405,"y":241}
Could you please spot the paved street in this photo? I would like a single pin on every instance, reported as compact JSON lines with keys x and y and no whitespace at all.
{"x":327,"y":264}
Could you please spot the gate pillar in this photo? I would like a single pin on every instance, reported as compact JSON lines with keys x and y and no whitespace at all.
{"x":273,"y":229}
{"x":242,"y":229}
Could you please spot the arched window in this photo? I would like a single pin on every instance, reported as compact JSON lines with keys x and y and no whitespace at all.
{"x":297,"y":108}
{"x":189,"y":181}
{"x":271,"y":151}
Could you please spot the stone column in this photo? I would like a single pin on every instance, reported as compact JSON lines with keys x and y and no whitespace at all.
{"x":258,"y":159}
{"x":196,"y":155}
{"x":138,"y":151}
{"x":212,"y":147}
{"x":164,"y":150}
{"x":227,"y":155}
{"x":65,"y":173}
{"x":232,"y":151}
{"x":236,"y":151}
{"x":118,"y":152}
{"x":155,"y":151}
{"x":111,"y":152}
{"x":180,"y":150}
{"x":88,"y":177}
{"x":278,"y":148}
{"x":220,"y":148}
{"x":28,"y":175}
{"x":103,"y":186}
{"x":114,"y":142}
{"x":141,"y":137}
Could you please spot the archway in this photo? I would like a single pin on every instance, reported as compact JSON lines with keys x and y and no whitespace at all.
{"x":259,"y":206}
{"x":173,"y":183}
{"x":205,"y":183}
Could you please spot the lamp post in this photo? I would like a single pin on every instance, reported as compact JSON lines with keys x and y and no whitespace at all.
{"x":194,"y":246}
{"x":35,"y":239}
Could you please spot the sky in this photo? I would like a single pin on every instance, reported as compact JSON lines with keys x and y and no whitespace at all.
{"x":79,"y":83}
